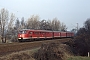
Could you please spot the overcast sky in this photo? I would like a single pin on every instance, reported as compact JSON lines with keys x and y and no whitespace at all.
{"x":69,"y":12}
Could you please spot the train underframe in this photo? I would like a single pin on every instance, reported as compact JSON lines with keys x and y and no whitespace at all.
{"x":39,"y":39}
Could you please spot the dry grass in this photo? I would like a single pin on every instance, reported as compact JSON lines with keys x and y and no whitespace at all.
{"x":15,"y":47}
{"x":78,"y":58}
{"x":22,"y":51}
{"x":9,"y":48}
{"x":22,"y":55}
{"x":53,"y":51}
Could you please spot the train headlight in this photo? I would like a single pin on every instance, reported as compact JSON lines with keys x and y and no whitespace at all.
{"x":19,"y":38}
{"x":20,"y":35}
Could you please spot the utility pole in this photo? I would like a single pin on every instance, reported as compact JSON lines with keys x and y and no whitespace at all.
{"x":77,"y":26}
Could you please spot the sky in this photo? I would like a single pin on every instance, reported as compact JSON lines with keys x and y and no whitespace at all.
{"x":70,"y":12}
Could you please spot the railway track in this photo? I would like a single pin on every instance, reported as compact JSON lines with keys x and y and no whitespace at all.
{"x":16,"y":47}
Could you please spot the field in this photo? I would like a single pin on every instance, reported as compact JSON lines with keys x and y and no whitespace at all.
{"x":18,"y":50}
{"x":21,"y":55}
{"x":25,"y":50}
{"x":78,"y":58}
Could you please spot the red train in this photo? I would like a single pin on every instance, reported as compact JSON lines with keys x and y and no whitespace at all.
{"x":28,"y":34}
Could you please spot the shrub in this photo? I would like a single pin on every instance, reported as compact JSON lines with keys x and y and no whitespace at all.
{"x":53,"y":51}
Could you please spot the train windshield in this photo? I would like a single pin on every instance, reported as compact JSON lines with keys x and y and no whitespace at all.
{"x":22,"y":32}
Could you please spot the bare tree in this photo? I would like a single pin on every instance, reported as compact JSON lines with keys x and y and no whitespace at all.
{"x":11,"y":31}
{"x":74,"y":31}
{"x":49,"y":23}
{"x":87,"y":25}
{"x":81,"y":41}
{"x":55,"y":24}
{"x":17,"y":25}
{"x":22,"y":23}
{"x":0,"y":25}
{"x":45,"y":25}
{"x":63,"y":27}
{"x":33,"y":22}
{"x":3,"y":20}
{"x":12,"y":19}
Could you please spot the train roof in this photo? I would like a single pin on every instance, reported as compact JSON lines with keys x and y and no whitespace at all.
{"x":44,"y":30}
{"x":36,"y":30}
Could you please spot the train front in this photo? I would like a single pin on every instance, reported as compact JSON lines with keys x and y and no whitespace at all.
{"x":22,"y":35}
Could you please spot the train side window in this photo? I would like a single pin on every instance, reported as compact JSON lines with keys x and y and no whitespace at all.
{"x":36,"y":32}
{"x":43,"y":32}
{"x":22,"y":32}
{"x":40,"y":32}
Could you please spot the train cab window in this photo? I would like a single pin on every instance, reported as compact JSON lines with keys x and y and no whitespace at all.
{"x":30,"y":32}
{"x":22,"y":32}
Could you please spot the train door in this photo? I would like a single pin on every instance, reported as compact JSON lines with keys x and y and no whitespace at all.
{"x":60,"y":34}
{"x":30,"y":34}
